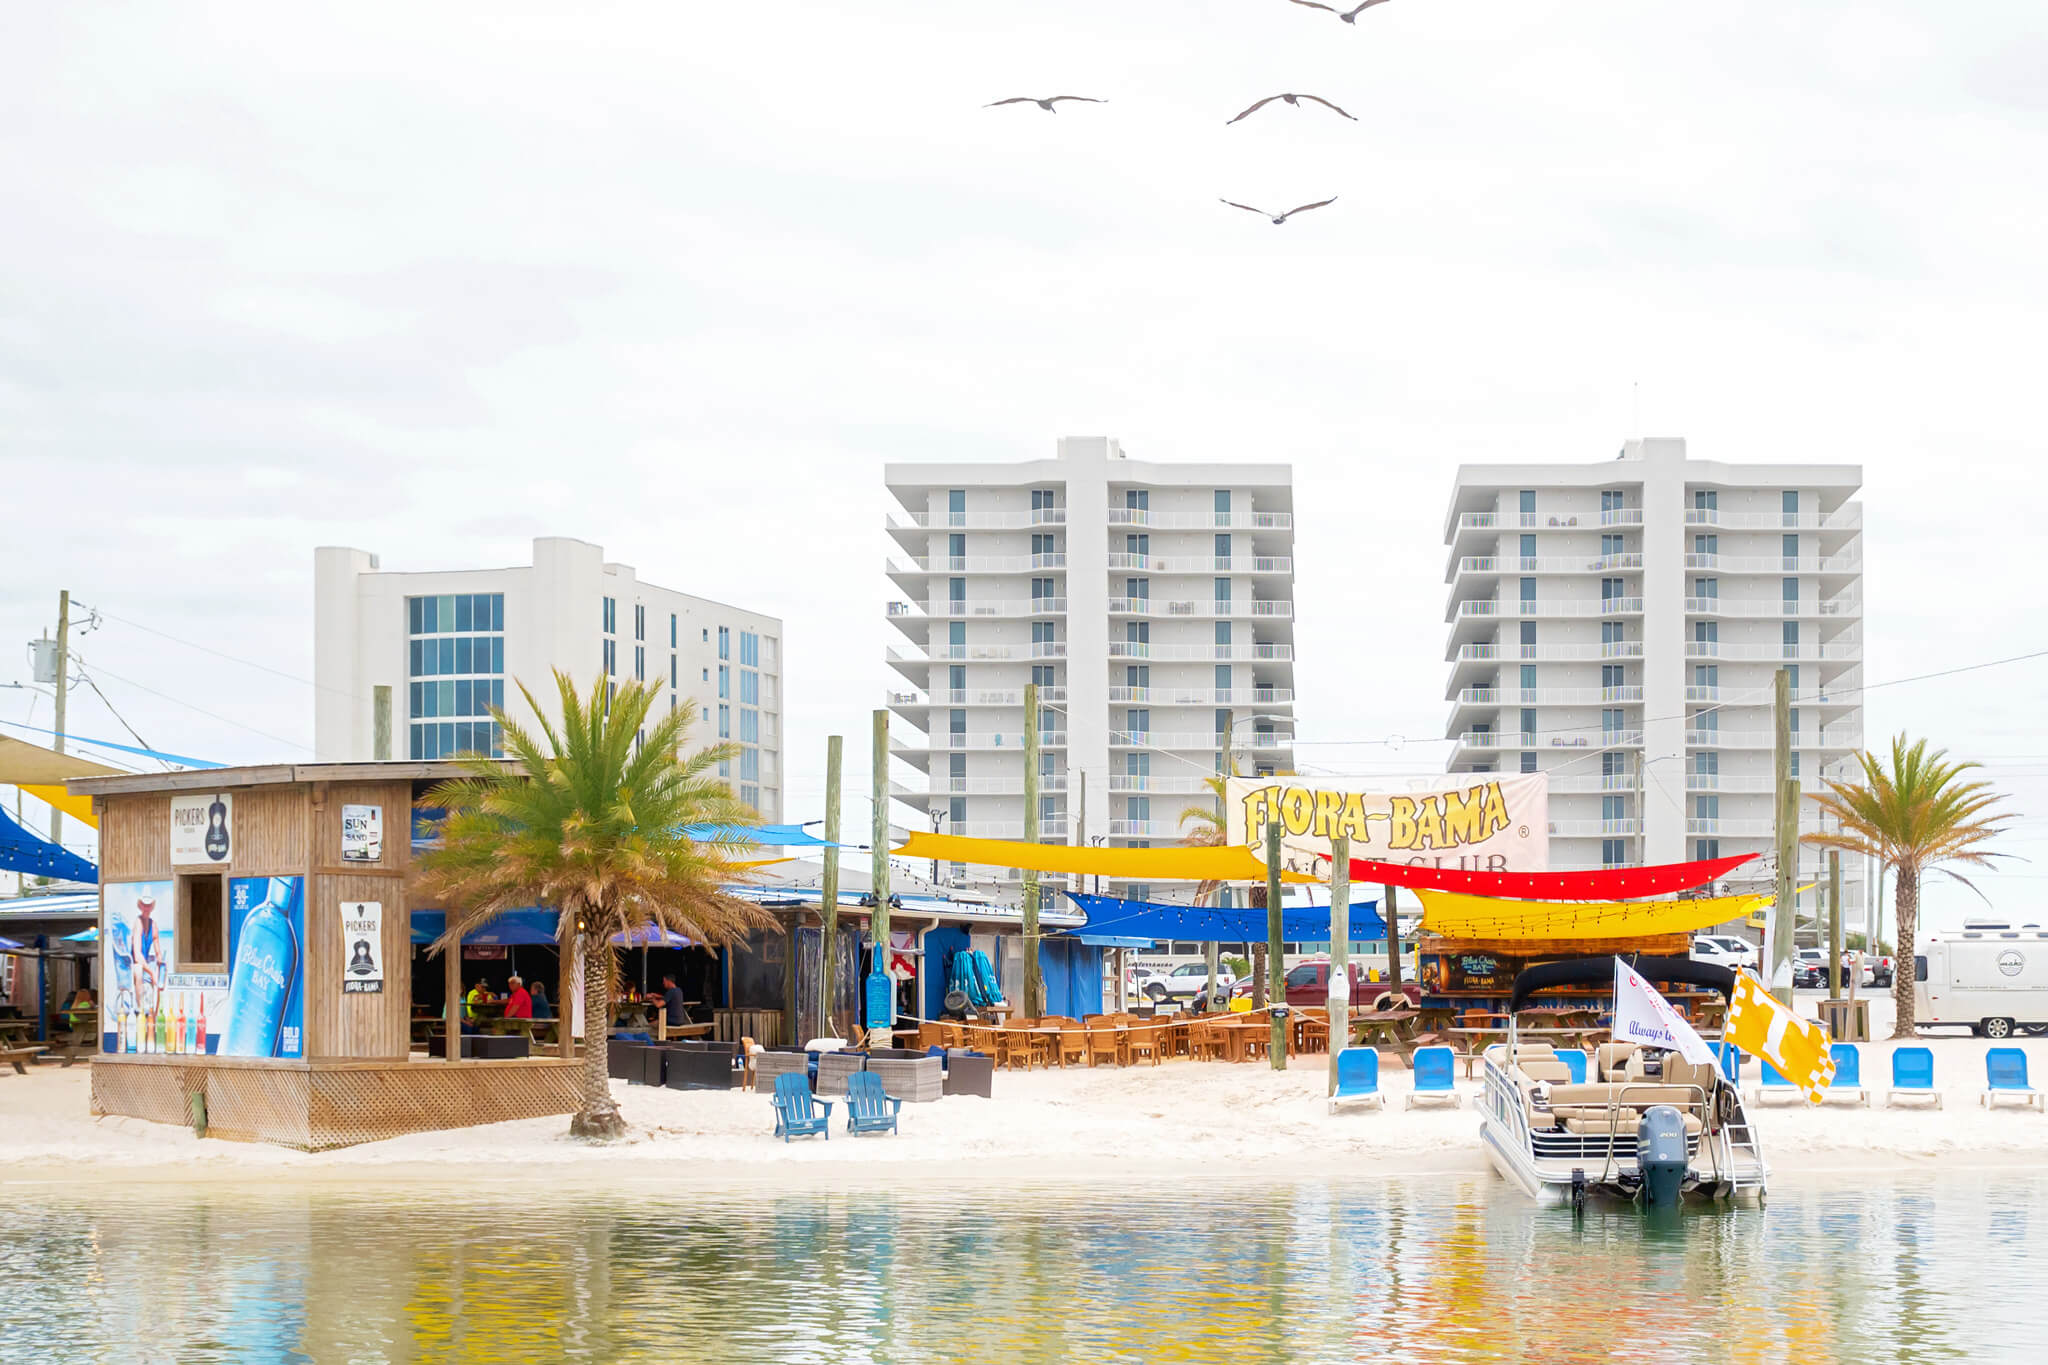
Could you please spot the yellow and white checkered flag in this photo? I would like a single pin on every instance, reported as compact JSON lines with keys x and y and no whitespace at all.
{"x":1762,"y":1027}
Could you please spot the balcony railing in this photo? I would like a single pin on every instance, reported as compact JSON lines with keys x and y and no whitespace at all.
{"x":1492,"y":653}
{"x":1827,"y":737}
{"x":1849,"y":518}
{"x":1846,"y":605}
{"x":978,"y":696}
{"x":1213,"y":521}
{"x":1846,"y":647}
{"x":1718,"y":782}
{"x":1202,"y":564}
{"x":1776,"y":564}
{"x":1035,"y":606}
{"x":942,"y":785}
{"x":1487,"y":608}
{"x":977,"y":564}
{"x":1549,"y":696}
{"x":1147,"y":606}
{"x":1044,"y":649}
{"x":1509,"y":739}
{"x":1222,"y":654}
{"x":1142,"y":783}
{"x":1048,"y":739}
{"x":1144,"y":829}
{"x":1595,"y":829}
{"x":1005,"y":521}
{"x":1484,"y":564}
{"x":1204,"y":696}
{"x":1591,"y":785}
{"x":1049,"y":827}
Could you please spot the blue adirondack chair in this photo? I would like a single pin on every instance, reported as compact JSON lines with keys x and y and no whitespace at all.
{"x":1912,"y":1076}
{"x":1848,"y":1081}
{"x":797,"y":1112}
{"x":1433,"y":1067}
{"x":1358,"y":1078}
{"x":1574,"y":1060}
{"x":869,"y":1108}
{"x":1773,"y":1084}
{"x":1730,"y":1057}
{"x":2005,"y":1074}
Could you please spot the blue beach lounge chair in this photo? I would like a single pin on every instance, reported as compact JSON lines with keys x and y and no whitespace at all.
{"x":797,"y":1114}
{"x":1730,"y":1057}
{"x":2005,"y":1074}
{"x":1848,"y":1081}
{"x":1774,"y":1085}
{"x":869,"y":1108}
{"x":1574,"y":1059}
{"x":1912,"y":1076}
{"x":1433,"y":1077}
{"x":1358,"y":1078}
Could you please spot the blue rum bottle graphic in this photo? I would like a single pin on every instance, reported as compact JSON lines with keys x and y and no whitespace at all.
{"x":266,"y":964}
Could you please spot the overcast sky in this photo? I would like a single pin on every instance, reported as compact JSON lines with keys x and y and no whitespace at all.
{"x":433,"y":280}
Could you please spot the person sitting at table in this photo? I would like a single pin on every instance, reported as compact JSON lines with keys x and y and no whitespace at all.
{"x":542,"y":1009}
{"x":479,"y":996}
{"x":672,"y":1001}
{"x":518,"y":1004}
{"x":80,"y":1005}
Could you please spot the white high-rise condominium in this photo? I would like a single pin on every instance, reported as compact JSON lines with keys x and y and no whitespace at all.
{"x":407,"y":662}
{"x":1617,"y":626}
{"x":1153,"y":604}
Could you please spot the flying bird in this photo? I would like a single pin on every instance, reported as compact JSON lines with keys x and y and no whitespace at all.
{"x":1294,"y":100}
{"x":1283,"y":217}
{"x":1348,"y":16}
{"x":1046,"y":105}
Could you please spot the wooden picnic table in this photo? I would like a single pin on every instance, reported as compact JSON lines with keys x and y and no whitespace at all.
{"x":11,"y":1028}
{"x":1239,"y":1035}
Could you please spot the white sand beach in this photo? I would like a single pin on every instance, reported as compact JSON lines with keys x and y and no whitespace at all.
{"x":1180,"y":1117}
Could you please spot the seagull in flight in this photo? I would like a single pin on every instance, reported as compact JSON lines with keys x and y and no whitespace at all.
{"x":1294,"y":100}
{"x":1283,"y":217}
{"x":1046,"y":104}
{"x":1348,"y":16}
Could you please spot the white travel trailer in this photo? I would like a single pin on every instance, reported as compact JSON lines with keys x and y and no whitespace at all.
{"x":1991,"y":976}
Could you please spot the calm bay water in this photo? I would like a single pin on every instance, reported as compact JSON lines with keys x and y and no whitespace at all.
{"x":1442,"y":1270}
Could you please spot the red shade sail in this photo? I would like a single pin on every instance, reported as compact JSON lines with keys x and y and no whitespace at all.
{"x":1603,"y":884}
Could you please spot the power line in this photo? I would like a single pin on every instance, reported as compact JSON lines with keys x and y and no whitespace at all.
{"x":211,"y":715}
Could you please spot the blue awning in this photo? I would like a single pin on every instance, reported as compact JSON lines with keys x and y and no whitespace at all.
{"x":91,"y":935}
{"x":1111,"y":941}
{"x":24,"y":851}
{"x":764,"y":836}
{"x":1214,"y":923}
{"x":533,"y":926}
{"x":652,"y":936}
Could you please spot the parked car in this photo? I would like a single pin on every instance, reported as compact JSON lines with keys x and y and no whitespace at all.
{"x":1308,"y":983}
{"x":1184,"y":982}
{"x":1724,"y":950}
{"x":1880,"y":969}
{"x":1809,"y":969}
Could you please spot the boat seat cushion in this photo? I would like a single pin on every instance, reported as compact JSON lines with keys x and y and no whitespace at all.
{"x":1626,"y":1125}
{"x":1548,"y":1069}
{"x":1638,"y":1096}
{"x":1613,"y":1058}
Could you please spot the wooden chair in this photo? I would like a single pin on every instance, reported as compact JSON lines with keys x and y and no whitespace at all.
{"x":1204,"y":1042}
{"x":1104,"y":1044}
{"x":1072,"y":1042}
{"x":1144,"y":1041}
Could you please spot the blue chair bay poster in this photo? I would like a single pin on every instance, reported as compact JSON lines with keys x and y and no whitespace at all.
{"x":266,"y":976}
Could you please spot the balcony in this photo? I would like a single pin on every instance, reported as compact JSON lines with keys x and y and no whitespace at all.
{"x":1549,"y":696}
{"x":1595,"y":829}
{"x":1202,"y":564}
{"x":1696,"y":827}
{"x":1487,"y":652}
{"x":1590,"y":786}
{"x":1212,"y":521}
{"x":1144,"y":783}
{"x":1207,"y":741}
{"x":942,"y":785}
{"x":1846,"y":518}
{"x":1717,"y":782}
{"x":990,"y":521}
{"x":1053,"y":827}
{"x":1509,"y":739}
{"x":1204,"y":696}
{"x":1010,"y":740}
{"x":1494,"y":608}
{"x":925,"y":564}
{"x":978,"y":696}
{"x":1044,"y":649}
{"x":1776,"y":564}
{"x":1146,"y":606}
{"x":1848,"y":604}
{"x":1845,"y":648}
{"x":1144,"y":829}
{"x":1545,"y":564}
{"x":1222,"y":654}
{"x":1035,"y":606}
{"x":1827,"y":737}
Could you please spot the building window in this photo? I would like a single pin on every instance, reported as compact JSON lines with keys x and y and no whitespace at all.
{"x":956,"y":507}
{"x":1613,"y":852}
{"x":1706,"y":850}
{"x":1706,"y":807}
{"x":750,"y":765}
{"x":1223,"y":552}
{"x":672,"y":630}
{"x":724,"y":721}
{"x":1528,"y":679}
{"x":724,"y":643}
{"x":1528,"y":638}
{"x":611,"y":616}
{"x":1706,"y":634}
{"x":1789,"y":500}
{"x":1706,"y":588}
{"x":750,"y":687}
{"x":1526,"y":500}
{"x":1789,"y":547}
{"x":1612,"y":721}
{"x":1223,"y":510}
{"x":1706,"y":500}
{"x":1528,"y":550}
{"x":750,"y":726}
{"x":1611,"y":591}
{"x":1791,"y":590}
{"x":1138,"y":722}
{"x":1706,"y":547}
{"x":1528,"y":593}
{"x":1528,"y":725}
{"x":1222,"y":591}
{"x":750,"y":649}
{"x":640,"y":663}
{"x":1791,"y":634}
{"x":1222,"y":677}
{"x":455,"y":680}
{"x":639,"y":620}
{"x":1137,"y":500}
{"x":1528,"y":760}
{"x":671,"y":670}
{"x":611,"y":657}
{"x":750,"y":795}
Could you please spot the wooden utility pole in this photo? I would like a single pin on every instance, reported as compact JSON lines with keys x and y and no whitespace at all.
{"x":1340,"y":950}
{"x":1783,"y":919}
{"x":1391,"y":913}
{"x":1276,"y":969}
{"x":881,"y":1035}
{"x":829,"y":910}
{"x":63,"y":689}
{"x":1034,"y":979}
{"x":1834,"y":925}
{"x":1212,"y":951}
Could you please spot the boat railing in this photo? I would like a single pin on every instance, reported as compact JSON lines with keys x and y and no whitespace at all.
{"x":1705,"y":1110}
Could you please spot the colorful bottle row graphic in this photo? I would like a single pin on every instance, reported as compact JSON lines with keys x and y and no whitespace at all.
{"x":177,"y":1024}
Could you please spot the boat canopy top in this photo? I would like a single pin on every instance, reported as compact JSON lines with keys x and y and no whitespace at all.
{"x":1591,"y":971}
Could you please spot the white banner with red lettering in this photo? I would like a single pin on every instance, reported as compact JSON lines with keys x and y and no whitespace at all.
{"x":1643,"y":1016}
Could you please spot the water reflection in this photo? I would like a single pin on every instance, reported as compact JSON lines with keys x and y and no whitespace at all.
{"x":1436,"y":1271}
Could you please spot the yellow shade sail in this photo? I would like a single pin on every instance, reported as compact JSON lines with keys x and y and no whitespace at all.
{"x":22,"y":763}
{"x":77,"y":807}
{"x":1456,"y":915}
{"x":1230,"y":863}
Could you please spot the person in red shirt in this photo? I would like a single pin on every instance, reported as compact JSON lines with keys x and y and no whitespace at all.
{"x":518,"y":1004}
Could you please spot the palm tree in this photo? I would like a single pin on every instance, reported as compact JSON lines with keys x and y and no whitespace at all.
{"x":1209,"y":831}
{"x":1913,"y":818}
{"x":588,"y":819}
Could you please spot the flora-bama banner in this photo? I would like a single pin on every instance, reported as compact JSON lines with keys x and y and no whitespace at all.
{"x":1483,"y":822}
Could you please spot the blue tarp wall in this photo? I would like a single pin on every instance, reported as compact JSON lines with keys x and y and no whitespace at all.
{"x":939,"y":946}
{"x":1073,"y":977}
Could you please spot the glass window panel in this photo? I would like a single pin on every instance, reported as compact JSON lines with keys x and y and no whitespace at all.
{"x":445,"y":705}
{"x":498,"y":693}
{"x":446,"y":649}
{"x":447,"y":729}
{"x":446,"y":613}
{"x":412,"y":615}
{"x":465,"y":618}
{"x":497,"y":611}
{"x":463,"y":698}
{"x":463,"y":651}
{"x":430,"y":611}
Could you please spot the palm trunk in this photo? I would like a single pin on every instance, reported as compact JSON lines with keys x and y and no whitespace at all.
{"x":1908,"y":912}
{"x":1258,"y":976}
{"x":598,"y":1113}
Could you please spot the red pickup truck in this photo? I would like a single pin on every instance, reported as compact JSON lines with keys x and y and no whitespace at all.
{"x":1308,"y":983}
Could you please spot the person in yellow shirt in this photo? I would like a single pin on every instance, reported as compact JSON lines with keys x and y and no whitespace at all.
{"x":479,"y":994}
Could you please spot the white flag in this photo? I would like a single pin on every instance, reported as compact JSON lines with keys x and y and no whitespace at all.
{"x":1643,"y":1016}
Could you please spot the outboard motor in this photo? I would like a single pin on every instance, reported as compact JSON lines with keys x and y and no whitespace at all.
{"x":1661,"y":1155}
